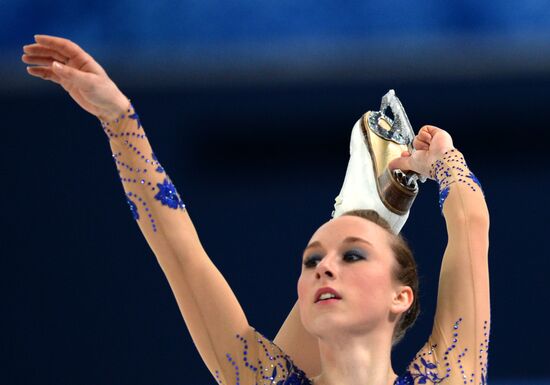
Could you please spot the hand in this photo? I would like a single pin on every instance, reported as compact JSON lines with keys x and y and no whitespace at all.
{"x":63,"y":62}
{"x":430,"y":144}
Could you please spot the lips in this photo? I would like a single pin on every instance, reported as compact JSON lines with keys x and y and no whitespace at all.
{"x":325,"y":290}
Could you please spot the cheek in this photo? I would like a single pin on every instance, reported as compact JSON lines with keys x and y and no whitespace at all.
{"x":301,"y":287}
{"x":369,"y":287}
{"x":303,"y":294}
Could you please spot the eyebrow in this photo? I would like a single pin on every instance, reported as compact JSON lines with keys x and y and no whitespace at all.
{"x":347,"y":240}
{"x":356,"y":239}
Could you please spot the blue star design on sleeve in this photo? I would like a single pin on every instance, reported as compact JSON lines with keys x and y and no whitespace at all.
{"x":159,"y":168}
{"x":295,"y":375}
{"x":168,"y":195}
{"x":133,"y":208}
{"x":406,"y":379}
{"x":135,"y":116}
{"x":443,"y":193}
{"x":426,"y":373}
{"x":474,"y":178}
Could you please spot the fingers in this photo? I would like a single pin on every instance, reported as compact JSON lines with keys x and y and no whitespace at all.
{"x":432,"y":130}
{"x":39,"y":55}
{"x":36,"y":50}
{"x":422,"y":140}
{"x":424,"y":137}
{"x":64,"y":46}
{"x":64,"y":51}
{"x":62,"y":74}
{"x":44,"y":73}
{"x":38,"y":60}
{"x":403,"y":163}
{"x":76,"y":77}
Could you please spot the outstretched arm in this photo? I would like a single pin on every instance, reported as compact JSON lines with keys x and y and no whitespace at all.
{"x":457,"y":349}
{"x":214,"y":317}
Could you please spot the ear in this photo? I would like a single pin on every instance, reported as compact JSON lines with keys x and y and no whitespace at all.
{"x":402,"y":300}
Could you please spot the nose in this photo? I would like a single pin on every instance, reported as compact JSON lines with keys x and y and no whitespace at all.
{"x":324,"y":269}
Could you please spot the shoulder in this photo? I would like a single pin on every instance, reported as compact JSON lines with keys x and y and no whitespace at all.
{"x":262,"y":362}
{"x":453,"y":355}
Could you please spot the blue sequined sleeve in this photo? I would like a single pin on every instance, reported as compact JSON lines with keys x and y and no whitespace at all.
{"x":457,"y":349}
{"x":452,"y":168}
{"x":146,"y":184}
{"x":262,"y":361}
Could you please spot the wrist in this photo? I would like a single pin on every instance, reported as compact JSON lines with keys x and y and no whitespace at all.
{"x":115,"y":110}
{"x":125,"y":124}
{"x":449,"y":169}
{"x":441,"y":159}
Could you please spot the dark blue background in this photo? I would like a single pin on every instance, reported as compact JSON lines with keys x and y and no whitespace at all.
{"x":256,"y":141}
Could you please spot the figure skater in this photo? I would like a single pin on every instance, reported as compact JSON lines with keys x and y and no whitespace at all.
{"x":358,"y":288}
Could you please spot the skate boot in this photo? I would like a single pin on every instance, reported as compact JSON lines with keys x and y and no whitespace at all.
{"x":376,"y":139}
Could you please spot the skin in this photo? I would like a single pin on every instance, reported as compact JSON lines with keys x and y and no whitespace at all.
{"x":353,"y":256}
{"x":354,"y":334}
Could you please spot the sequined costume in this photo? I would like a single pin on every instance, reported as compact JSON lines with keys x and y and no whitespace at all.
{"x":235,"y":353}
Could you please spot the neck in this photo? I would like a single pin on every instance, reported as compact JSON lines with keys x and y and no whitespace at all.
{"x":355,"y":360}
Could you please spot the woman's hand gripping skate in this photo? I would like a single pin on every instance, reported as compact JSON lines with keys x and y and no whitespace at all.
{"x":430,"y":144}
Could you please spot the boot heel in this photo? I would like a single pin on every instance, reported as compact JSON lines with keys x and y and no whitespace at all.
{"x":395,"y":193}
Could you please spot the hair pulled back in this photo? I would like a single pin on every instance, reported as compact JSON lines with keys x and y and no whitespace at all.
{"x":405,"y":270}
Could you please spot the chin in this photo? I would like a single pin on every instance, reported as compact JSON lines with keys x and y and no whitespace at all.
{"x":338,"y":323}
{"x":326,"y":324}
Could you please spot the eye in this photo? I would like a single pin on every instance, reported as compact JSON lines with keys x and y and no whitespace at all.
{"x":353,"y":255}
{"x":312,"y":261}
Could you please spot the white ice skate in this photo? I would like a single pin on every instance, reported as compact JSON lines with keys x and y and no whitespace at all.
{"x":376,"y":139}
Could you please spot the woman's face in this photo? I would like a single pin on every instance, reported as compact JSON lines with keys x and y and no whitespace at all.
{"x":352,"y":256}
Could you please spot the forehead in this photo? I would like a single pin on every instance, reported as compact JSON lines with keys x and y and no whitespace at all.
{"x":337,"y":229}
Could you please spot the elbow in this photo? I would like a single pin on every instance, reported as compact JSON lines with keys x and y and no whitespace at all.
{"x":480,"y":220}
{"x":471,"y":222}
{"x":477,"y":219}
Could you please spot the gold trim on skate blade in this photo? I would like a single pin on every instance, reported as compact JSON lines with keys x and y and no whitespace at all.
{"x":392,"y":188}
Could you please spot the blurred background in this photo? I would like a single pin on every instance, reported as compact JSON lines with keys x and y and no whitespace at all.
{"x":249,"y":106}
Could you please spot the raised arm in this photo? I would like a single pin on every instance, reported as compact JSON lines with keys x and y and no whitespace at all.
{"x":457,"y":349}
{"x":232,"y":350}
{"x":295,"y":340}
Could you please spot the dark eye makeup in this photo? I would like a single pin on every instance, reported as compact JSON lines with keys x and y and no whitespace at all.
{"x":354,"y":255}
{"x":351,"y":255}
{"x":312,"y":260}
